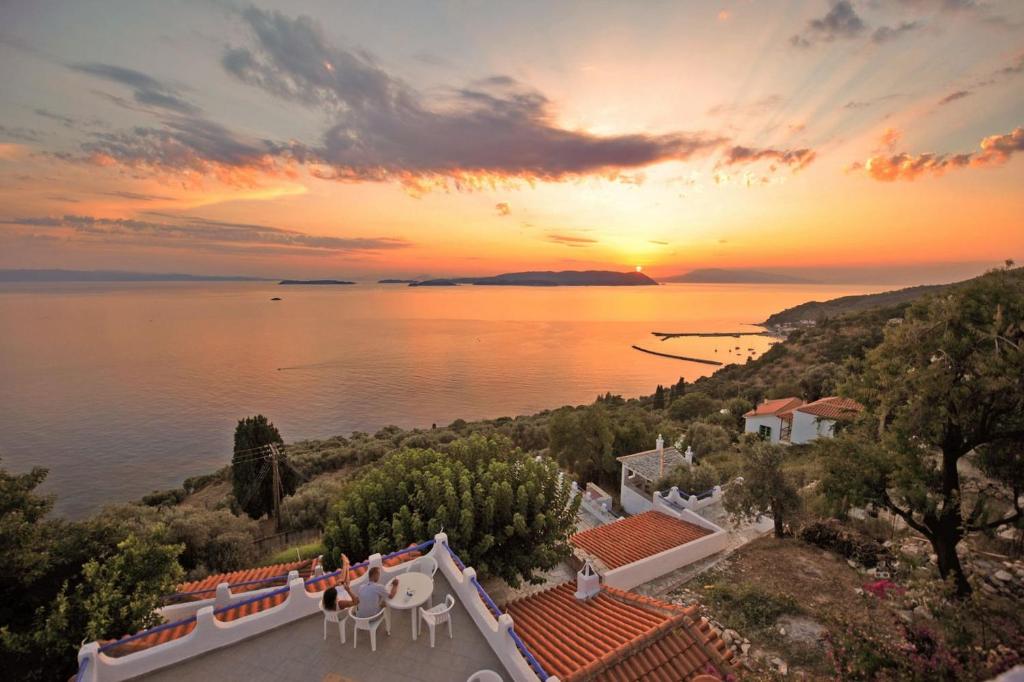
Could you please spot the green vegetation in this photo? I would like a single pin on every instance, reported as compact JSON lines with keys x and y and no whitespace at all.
{"x":766,"y":488}
{"x":946,"y":385}
{"x":508,"y":514}
{"x":838,"y":307}
{"x":252,"y":469}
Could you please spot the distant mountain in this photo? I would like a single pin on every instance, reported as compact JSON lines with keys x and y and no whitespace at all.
{"x":547,"y":278}
{"x":396,"y":281}
{"x":317,"y":282}
{"x":113,"y":276}
{"x":723,"y":276}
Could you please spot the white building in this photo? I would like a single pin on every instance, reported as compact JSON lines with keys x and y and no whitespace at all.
{"x":790,"y":420}
{"x":641,"y":470}
{"x":771,"y":420}
{"x":818,"y":419}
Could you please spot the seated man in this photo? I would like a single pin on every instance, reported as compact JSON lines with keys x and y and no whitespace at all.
{"x":372,"y":594}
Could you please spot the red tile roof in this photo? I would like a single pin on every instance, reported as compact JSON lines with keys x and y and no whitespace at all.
{"x":636,"y":537}
{"x":268,"y":576}
{"x":240,"y":611}
{"x":774,"y":407}
{"x":833,"y":407}
{"x":617,"y":636}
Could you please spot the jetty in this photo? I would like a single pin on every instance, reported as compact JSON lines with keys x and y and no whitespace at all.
{"x":679,"y":357}
{"x":675,"y":335}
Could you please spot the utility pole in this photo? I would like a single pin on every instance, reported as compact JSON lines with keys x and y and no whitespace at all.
{"x":277,"y":485}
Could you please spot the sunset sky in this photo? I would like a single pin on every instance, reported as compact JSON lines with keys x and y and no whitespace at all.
{"x":872,"y":139}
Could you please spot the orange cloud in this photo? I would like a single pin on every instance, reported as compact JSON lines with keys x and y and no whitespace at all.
{"x":995,"y":150}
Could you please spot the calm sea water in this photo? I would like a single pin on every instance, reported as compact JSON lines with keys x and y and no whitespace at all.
{"x":121,"y":389}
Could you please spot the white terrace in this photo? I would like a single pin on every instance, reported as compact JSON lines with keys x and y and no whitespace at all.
{"x":278,"y":634}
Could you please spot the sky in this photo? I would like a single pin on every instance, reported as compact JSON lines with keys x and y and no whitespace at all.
{"x":842,"y":140}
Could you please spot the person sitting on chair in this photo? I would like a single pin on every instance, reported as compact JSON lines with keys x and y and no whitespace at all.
{"x":372,"y":594}
{"x":330,"y":598}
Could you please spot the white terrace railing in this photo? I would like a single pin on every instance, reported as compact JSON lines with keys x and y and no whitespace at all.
{"x":208,"y":632}
{"x":683,"y":500}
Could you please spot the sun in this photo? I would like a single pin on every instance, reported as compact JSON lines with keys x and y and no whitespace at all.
{"x":639,"y":268}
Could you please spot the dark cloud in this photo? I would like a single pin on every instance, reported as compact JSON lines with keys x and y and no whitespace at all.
{"x":995,"y":150}
{"x":19,"y":133}
{"x":571,"y":240}
{"x":503,"y":208}
{"x":196,"y":231}
{"x":863,"y":104}
{"x":954,"y":96}
{"x":384,"y":128}
{"x":797,"y":159}
{"x":67,"y":121}
{"x":840,"y":22}
{"x":191,"y":144}
{"x":885,"y":34}
{"x":146,"y":90}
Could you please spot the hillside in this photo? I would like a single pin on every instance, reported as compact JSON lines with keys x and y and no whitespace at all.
{"x":548,"y":278}
{"x":817,"y":310}
{"x":724,"y":276}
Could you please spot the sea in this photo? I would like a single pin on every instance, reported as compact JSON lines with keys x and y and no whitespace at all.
{"x":120,"y":389}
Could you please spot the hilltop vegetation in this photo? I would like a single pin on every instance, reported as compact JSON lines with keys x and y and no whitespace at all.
{"x":814,"y":311}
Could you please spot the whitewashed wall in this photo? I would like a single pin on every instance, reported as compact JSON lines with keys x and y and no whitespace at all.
{"x":807,"y":427}
{"x":632,"y":501}
{"x":752,"y":424}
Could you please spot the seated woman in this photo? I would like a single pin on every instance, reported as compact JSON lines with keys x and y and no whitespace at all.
{"x":330,"y":598}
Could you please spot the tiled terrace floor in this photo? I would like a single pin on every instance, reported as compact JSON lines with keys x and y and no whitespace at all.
{"x":299,"y":652}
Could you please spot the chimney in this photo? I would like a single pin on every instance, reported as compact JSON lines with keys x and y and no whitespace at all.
{"x":588,"y":582}
{"x":660,"y":446}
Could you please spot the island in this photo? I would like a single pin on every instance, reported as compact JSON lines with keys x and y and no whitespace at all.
{"x":397,"y":281}
{"x":317,"y":282}
{"x":547,"y":278}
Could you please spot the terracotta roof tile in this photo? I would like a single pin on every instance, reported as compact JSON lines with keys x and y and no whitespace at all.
{"x":833,"y":407}
{"x":269,"y":576}
{"x":774,"y":407}
{"x":616,"y":636}
{"x":636,"y":537}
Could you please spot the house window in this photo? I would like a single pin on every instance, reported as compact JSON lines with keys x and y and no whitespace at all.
{"x":765,"y":432}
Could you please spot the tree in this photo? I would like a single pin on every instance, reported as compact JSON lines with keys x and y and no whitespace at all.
{"x":765,"y":489}
{"x":631,"y":434}
{"x":581,"y":440}
{"x":659,"y":397}
{"x":819,"y":381}
{"x":64,"y":582}
{"x":692,"y":406}
{"x":251,"y":469}
{"x":945,"y":385}
{"x":691,"y":480}
{"x":506,"y":513}
{"x":706,"y":438}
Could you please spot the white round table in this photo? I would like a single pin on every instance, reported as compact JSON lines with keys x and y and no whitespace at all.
{"x":413,"y":590}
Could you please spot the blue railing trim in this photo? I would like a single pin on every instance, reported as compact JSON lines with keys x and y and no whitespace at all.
{"x":363,"y":564}
{"x":530,"y":659}
{"x":486,"y":599}
{"x":80,"y":676}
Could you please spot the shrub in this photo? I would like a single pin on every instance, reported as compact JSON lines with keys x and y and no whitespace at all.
{"x":828,"y":534}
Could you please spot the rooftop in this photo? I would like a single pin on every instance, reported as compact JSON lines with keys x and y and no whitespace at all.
{"x":636,"y":537}
{"x":616,"y":636}
{"x":298,"y":651}
{"x":648,"y":464}
{"x":775,"y":408}
{"x":833,"y":407}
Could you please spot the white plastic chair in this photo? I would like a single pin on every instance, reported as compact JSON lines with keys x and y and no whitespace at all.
{"x":339,"y":617}
{"x":484,"y":676}
{"x":438,"y":615}
{"x":426,"y":565}
{"x":369,"y":624}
